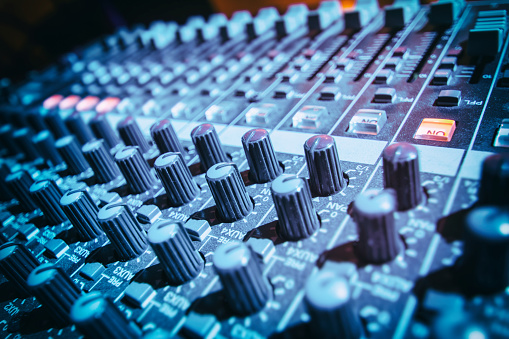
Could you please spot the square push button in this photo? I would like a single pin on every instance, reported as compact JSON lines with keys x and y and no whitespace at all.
{"x":384,"y":95}
{"x":330,"y":93}
{"x":383,"y":77}
{"x":367,"y":121}
{"x":448,"y":97}
{"x":260,"y":113}
{"x":441,"y":77}
{"x":436,"y":130}
{"x":308,"y":117}
{"x":502,"y":137}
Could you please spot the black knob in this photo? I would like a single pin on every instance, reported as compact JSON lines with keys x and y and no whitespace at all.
{"x":297,"y":218}
{"x":226,"y":185}
{"x":260,"y":155}
{"x":495,"y":180}
{"x":47,"y":195}
{"x":6,"y":140}
{"x":373,"y":212}
{"x":81,"y":211}
{"x":175,"y":251}
{"x":485,"y":261}
{"x":54,"y":289}
{"x":101,"y":161}
{"x":135,"y":169}
{"x":246,"y":288}
{"x":70,"y":151}
{"x":23,"y":139}
{"x":16,"y":263}
{"x":131,"y":134}
{"x":207,"y":144}
{"x":102,"y":130}
{"x":325,"y":175}
{"x":5,"y":194}
{"x":165,"y":137}
{"x":328,"y":301}
{"x":77,"y":126}
{"x":176,"y":178}
{"x":98,"y":317}
{"x":55,"y":123}
{"x":401,"y":172}
{"x":36,"y":120}
{"x":19,"y":184}
{"x":45,"y":144}
{"x":125,"y":233}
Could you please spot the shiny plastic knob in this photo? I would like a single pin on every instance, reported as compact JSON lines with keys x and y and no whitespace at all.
{"x":101,"y":161}
{"x":18,"y":183}
{"x":16,"y":263}
{"x":70,"y":151}
{"x":77,"y":126}
{"x":131,"y":134}
{"x":56,"y":125}
{"x":135,"y":169}
{"x":45,"y":145}
{"x":23,"y":139}
{"x":47,"y":195}
{"x":165,"y":137}
{"x":208,"y":146}
{"x":81,"y":211}
{"x":102,"y":130}
{"x":263,"y":164}
{"x":494,"y":186}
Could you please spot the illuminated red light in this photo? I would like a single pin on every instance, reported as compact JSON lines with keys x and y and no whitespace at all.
{"x":69,"y":102}
{"x":52,"y":101}
{"x":87,"y":103}
{"x":107,"y":104}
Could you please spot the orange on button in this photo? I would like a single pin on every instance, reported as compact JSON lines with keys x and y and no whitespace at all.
{"x":436,"y":130}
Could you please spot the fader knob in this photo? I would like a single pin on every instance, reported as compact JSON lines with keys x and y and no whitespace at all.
{"x":70,"y":151}
{"x":19,"y":184}
{"x":176,"y":179}
{"x":135,"y":169}
{"x":102,"y":130}
{"x":98,"y":317}
{"x":81,"y":211}
{"x":401,"y":172}
{"x":294,"y":207}
{"x":125,"y":233}
{"x":165,"y":137}
{"x":208,"y":146}
{"x":54,"y":289}
{"x":45,"y":144}
{"x":260,"y":155}
{"x":55,"y":124}
{"x":328,"y":300}
{"x":175,"y":251}
{"x":23,"y":139}
{"x":47,"y":195}
{"x":226,"y":185}
{"x":325,"y":175}
{"x":246,"y":288}
{"x":373,"y":212}
{"x":77,"y":126}
{"x":494,"y":186}
{"x":16,"y":263}
{"x":131,"y":134}
{"x":101,"y":161}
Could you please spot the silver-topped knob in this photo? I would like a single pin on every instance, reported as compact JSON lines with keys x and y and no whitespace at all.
{"x":131,"y":134}
{"x":260,"y":155}
{"x":135,"y":169}
{"x":47,"y":195}
{"x":81,"y":211}
{"x":101,"y":161}
{"x":70,"y":151}
{"x":207,"y":144}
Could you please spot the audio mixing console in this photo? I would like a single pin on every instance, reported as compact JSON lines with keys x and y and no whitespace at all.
{"x":315,"y":173}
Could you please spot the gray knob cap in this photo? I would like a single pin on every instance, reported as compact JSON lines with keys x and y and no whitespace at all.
{"x":373,"y":212}
{"x":207,"y":144}
{"x":135,"y":169}
{"x":226,"y":185}
{"x":131,"y":134}
{"x":101,"y":161}
{"x":23,"y":139}
{"x":70,"y":151}
{"x":495,"y":180}
{"x":246,"y":288}
{"x":294,"y":207}
{"x":56,"y":125}
{"x":328,"y":300}
{"x":77,"y":126}
{"x":165,"y":137}
{"x":81,"y":211}
{"x":45,"y":145}
{"x":16,"y":263}
{"x":401,"y":172}
{"x":54,"y":289}
{"x":176,"y":178}
{"x":102,"y":130}
{"x":263,"y":164}
{"x":325,"y":174}
{"x":175,"y":251}
{"x":47,"y":195}
{"x":98,"y":317}
{"x":19,"y":184}
{"x":125,"y":233}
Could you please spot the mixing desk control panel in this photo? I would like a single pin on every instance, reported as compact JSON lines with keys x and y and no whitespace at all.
{"x":335,"y":173}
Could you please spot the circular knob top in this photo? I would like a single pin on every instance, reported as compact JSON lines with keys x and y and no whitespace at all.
{"x":88,"y":307}
{"x":165,"y":137}
{"x":208,"y":146}
{"x":126,"y":152}
{"x":375,"y":202}
{"x":400,"y":152}
{"x":131,"y":134}
{"x":231,"y":256}
{"x":288,"y":184}
{"x":202,"y":130}
{"x":167,"y":159}
{"x":162,"y":232}
{"x":64,"y":141}
{"x":221,"y":170}
{"x":260,"y":155}
{"x":40,"y":185}
{"x":92,"y":145}
{"x":102,"y":130}
{"x":42,"y":274}
{"x":71,"y":196}
{"x":111,"y":211}
{"x":100,"y":160}
{"x":489,"y":223}
{"x":320,"y":142}
{"x":255,"y":135}
{"x":494,"y":183}
{"x":135,"y":169}
{"x":327,"y":290}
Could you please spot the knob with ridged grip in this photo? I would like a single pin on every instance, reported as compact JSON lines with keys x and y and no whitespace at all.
{"x":98,"y":317}
{"x":263,"y":164}
{"x":55,"y":123}
{"x":207,"y":144}
{"x":131,"y":134}
{"x":246,"y":288}
{"x":328,"y":300}
{"x":226,"y":185}
{"x":373,"y":212}
{"x":175,"y":251}
{"x":16,"y":263}
{"x":494,"y":185}
{"x":401,"y":173}
{"x":54,"y":289}
{"x":77,"y":126}
{"x":176,"y":178}
{"x":70,"y":151}
{"x":47,"y":195}
{"x":297,"y":218}
{"x":81,"y":211}
{"x":135,"y":169}
{"x":18,"y":183}
{"x":45,"y":144}
{"x":325,"y":174}
{"x":101,"y":161}
{"x":125,"y":233}
{"x":23,"y":139}
{"x":102,"y":130}
{"x":165,"y":138}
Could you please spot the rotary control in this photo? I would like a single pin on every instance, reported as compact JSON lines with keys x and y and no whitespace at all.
{"x":5,"y":194}
{"x":131,"y":134}
{"x":81,"y":211}
{"x":6,"y":140}
{"x":56,"y":125}
{"x":246,"y":288}
{"x":16,"y":263}
{"x":23,"y":139}
{"x":102,"y":130}
{"x":47,"y":195}
{"x":99,"y":158}
{"x":495,"y":180}
{"x":165,"y":138}
{"x":70,"y":151}
{"x":77,"y":126}
{"x":135,"y":169}
{"x":226,"y":185}
{"x":18,"y":183}
{"x":294,"y":207}
{"x":263,"y":164}
{"x":325,"y":175}
{"x":45,"y":145}
{"x":207,"y":144}
{"x":401,"y":172}
{"x":176,"y":178}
